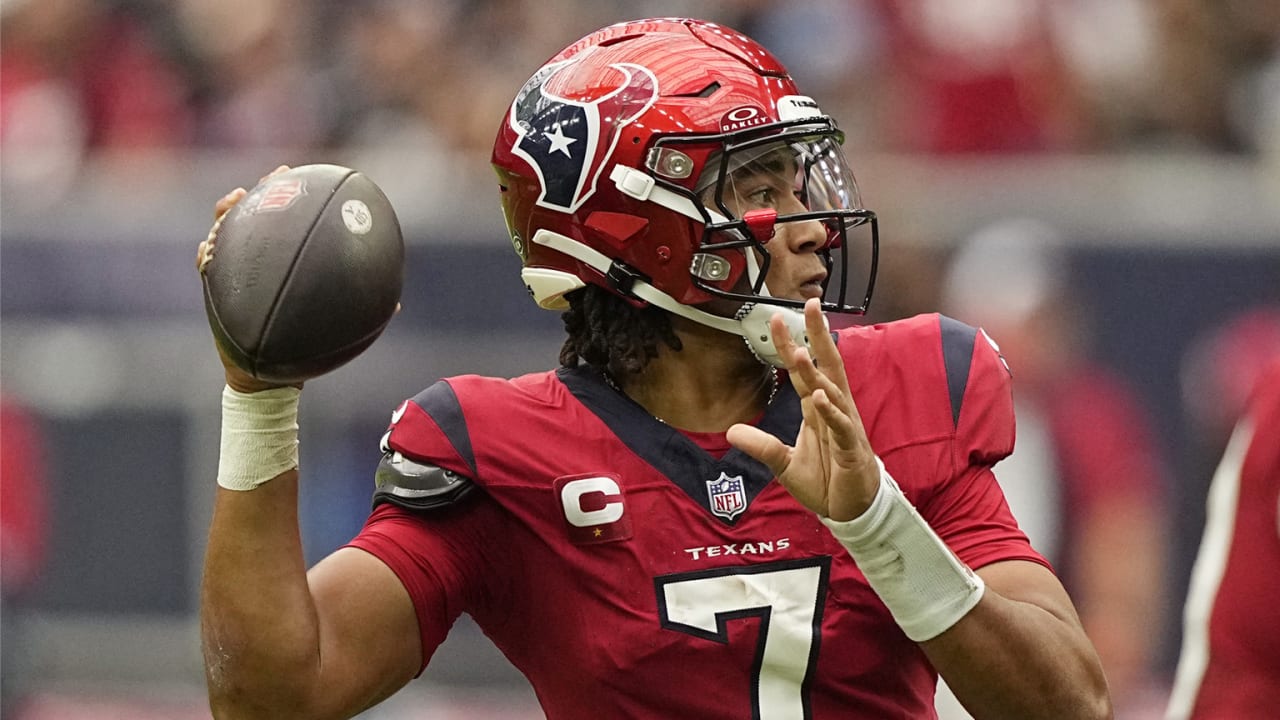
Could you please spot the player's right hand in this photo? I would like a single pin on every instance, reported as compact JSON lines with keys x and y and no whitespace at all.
{"x":832,"y":469}
{"x":237,"y":379}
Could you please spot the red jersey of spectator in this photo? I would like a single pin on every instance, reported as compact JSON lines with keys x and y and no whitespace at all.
{"x":970,"y":82}
{"x":114,"y":87}
{"x":23,"y":512}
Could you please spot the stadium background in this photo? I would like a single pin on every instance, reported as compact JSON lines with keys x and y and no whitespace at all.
{"x":1146,"y":131}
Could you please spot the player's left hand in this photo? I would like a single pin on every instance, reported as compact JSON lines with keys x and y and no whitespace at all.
{"x":832,"y":469}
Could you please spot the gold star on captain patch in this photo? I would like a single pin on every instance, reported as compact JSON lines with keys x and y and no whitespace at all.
{"x":598,"y":532}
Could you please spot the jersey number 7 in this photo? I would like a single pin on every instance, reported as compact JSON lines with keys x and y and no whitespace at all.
{"x":787,"y":599}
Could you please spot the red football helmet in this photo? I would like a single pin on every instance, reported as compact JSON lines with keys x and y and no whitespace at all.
{"x":617,"y":163}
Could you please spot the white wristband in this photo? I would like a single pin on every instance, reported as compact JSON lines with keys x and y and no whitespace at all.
{"x":925,"y":586}
{"x":259,"y":436}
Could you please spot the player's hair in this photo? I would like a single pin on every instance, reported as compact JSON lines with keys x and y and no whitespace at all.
{"x":609,"y":333}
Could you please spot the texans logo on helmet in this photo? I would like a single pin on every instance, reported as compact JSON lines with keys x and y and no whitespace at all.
{"x":568,"y":142}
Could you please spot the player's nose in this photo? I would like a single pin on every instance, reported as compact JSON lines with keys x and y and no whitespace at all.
{"x":803,"y":236}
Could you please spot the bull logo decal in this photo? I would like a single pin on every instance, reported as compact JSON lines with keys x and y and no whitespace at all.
{"x":568,"y":142}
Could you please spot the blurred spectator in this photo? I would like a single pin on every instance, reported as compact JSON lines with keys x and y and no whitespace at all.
{"x":79,"y":76}
{"x":930,"y":76}
{"x":1195,"y":58}
{"x":1231,"y":643}
{"x":846,"y":71}
{"x":1216,"y":54}
{"x":389,"y":108}
{"x":23,"y":537}
{"x":1218,"y":371}
{"x":383,"y":47}
{"x":1253,"y":103}
{"x":978,"y":77}
{"x":1086,"y":480}
{"x":1018,"y":76}
{"x":1110,"y":47}
{"x":266,"y":88}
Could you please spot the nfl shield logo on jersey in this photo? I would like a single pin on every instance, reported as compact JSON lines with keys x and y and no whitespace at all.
{"x":728,"y":498}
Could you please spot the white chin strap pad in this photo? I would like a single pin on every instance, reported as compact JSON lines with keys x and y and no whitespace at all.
{"x":755,"y":328}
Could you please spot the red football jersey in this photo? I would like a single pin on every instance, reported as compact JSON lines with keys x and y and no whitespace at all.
{"x":630,"y":574}
{"x":1230,"y":663}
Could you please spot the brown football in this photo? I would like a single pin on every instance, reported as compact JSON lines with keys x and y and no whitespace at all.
{"x":306,"y":273}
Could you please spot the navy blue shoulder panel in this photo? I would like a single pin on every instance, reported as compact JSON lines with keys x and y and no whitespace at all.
{"x":957,"y":356}
{"x":441,"y":403}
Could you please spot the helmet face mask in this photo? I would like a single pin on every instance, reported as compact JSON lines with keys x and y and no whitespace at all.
{"x":670,"y":153}
{"x":754,"y":183}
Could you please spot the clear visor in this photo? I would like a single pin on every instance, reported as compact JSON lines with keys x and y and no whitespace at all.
{"x":798,"y":182}
{"x":794,"y":175}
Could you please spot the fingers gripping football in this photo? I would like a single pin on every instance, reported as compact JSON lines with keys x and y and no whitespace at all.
{"x":204,"y":253}
{"x":237,"y":379}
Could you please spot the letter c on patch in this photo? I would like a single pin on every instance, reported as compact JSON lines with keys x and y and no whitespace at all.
{"x":573,"y":492}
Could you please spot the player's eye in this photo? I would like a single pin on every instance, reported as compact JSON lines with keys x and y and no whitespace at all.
{"x":765,"y":197}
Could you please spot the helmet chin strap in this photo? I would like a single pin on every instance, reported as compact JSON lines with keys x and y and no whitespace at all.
{"x":751,"y":322}
{"x":754,"y":320}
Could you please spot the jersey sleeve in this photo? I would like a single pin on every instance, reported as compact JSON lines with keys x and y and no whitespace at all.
{"x":980,"y":387}
{"x":446,"y":559}
{"x":969,"y":511}
{"x":937,"y":400}
{"x":972,"y":516}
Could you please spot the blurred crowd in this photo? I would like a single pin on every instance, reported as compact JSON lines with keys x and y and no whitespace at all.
{"x":86,"y":77}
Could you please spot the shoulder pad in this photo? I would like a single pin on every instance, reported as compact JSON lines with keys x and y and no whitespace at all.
{"x":416,"y":486}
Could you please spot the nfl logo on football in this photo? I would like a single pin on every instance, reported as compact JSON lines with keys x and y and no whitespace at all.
{"x":728,"y":498}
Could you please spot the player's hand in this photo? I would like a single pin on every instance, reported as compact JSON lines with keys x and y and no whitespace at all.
{"x":832,"y":469}
{"x":236,"y":378}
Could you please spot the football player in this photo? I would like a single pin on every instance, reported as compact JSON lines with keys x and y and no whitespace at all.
{"x":715,"y":507}
{"x":1229,"y":665}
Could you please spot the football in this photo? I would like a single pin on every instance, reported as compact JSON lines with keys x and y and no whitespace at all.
{"x":304,"y":274}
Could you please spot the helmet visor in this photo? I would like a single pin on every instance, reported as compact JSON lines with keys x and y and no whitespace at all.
{"x":759,"y":186}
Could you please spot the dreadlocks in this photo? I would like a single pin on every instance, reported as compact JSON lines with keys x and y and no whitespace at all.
{"x":607,"y":332}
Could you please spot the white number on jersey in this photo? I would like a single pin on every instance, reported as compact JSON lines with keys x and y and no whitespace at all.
{"x":786,"y":598}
